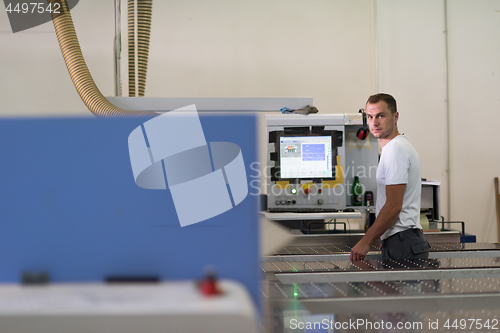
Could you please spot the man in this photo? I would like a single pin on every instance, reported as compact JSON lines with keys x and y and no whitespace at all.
{"x":398,"y":189}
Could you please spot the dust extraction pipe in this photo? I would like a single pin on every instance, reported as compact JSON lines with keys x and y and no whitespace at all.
{"x":142,"y":22}
{"x":78,"y":70}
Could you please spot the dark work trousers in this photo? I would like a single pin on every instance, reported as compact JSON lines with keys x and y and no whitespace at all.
{"x":405,"y":245}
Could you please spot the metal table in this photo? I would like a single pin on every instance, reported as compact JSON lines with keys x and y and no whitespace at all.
{"x":312,"y":282}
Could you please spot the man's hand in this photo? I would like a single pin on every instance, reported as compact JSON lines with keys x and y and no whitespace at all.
{"x":385,"y":219}
{"x":359,"y":251}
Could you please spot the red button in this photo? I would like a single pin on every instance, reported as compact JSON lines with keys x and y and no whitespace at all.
{"x":307,"y":190}
{"x":208,"y":287}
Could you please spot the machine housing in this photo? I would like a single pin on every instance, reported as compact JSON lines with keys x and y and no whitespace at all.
{"x":326,"y":155}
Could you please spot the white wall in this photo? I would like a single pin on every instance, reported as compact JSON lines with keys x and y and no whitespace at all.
{"x":34,"y":79}
{"x":412,"y":53}
{"x":412,"y":48}
{"x":279,"y":48}
{"x":474,"y":61}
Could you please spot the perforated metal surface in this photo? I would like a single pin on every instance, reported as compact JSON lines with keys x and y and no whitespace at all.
{"x":374,"y":301}
{"x":424,"y":322}
{"x":342,"y":249}
{"x":335,"y":266}
{"x":437,"y":247}
{"x":429,"y":305}
{"x":276,"y":290}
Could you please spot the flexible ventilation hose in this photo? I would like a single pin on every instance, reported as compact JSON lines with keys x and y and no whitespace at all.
{"x":131,"y":48}
{"x":78,"y":70}
{"x":137,"y":73}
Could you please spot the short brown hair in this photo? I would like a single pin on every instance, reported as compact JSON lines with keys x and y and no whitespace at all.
{"x":388,"y":99}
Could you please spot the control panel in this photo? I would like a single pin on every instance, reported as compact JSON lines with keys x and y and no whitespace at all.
{"x":305,"y":196}
{"x":312,"y":162}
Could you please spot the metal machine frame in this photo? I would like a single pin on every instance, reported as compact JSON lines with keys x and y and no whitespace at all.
{"x":353,"y":158}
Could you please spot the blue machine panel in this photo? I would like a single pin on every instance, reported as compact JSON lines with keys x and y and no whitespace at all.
{"x":69,"y":205}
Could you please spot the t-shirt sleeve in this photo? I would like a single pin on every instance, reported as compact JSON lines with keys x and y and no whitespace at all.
{"x":397,"y":166}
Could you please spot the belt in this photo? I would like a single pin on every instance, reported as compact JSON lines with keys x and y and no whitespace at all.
{"x":400,"y":235}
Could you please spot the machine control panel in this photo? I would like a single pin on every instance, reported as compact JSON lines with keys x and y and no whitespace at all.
{"x":301,"y":197}
{"x":312,"y":162}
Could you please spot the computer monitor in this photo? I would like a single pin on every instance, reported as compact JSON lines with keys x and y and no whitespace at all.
{"x":305,"y":154}
{"x":306,"y":157}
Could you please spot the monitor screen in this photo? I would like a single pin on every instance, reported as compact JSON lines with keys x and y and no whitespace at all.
{"x":306,"y":157}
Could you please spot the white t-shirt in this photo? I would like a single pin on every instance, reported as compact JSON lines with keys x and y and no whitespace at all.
{"x":400,"y":164}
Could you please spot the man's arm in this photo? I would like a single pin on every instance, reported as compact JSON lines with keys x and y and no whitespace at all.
{"x":385,"y":219}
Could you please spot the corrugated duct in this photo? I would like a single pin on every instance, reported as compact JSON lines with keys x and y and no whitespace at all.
{"x":137,"y":71}
{"x":78,"y":70}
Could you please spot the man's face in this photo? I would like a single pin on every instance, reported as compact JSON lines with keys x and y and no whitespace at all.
{"x":380,"y":119}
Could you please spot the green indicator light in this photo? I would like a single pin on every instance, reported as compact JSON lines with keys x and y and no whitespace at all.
{"x":294,"y":190}
{"x":295,"y":294}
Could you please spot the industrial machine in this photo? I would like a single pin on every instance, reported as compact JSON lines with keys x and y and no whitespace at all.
{"x":85,"y":249}
{"x":313,"y":160}
{"x":311,"y":285}
{"x":73,"y":216}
